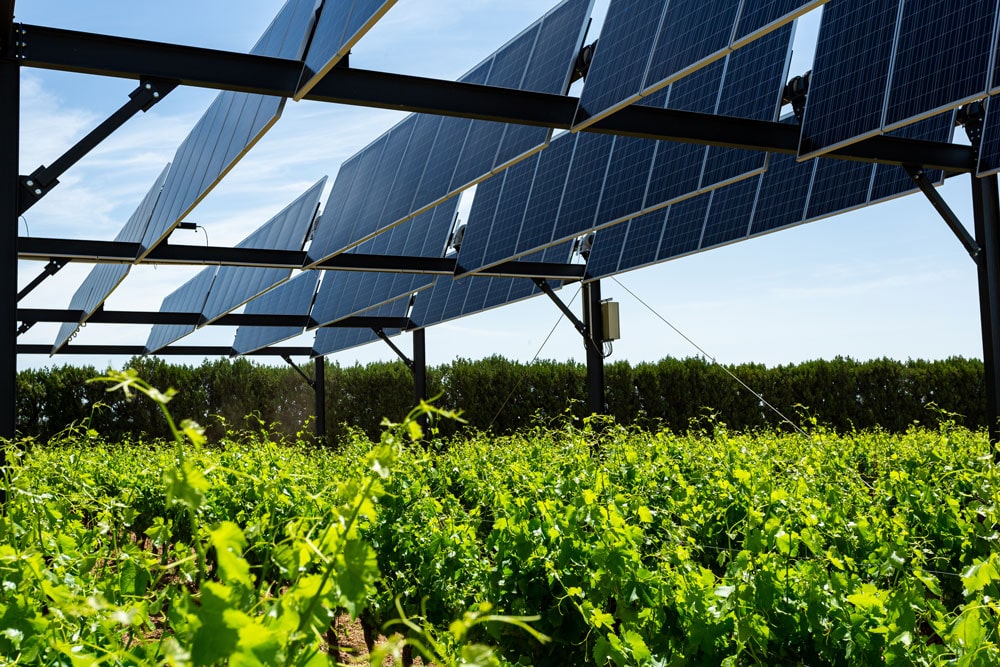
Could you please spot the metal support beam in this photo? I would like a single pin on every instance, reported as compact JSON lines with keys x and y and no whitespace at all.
{"x":919,"y":176}
{"x":419,"y":368}
{"x":594,"y":338}
{"x":319,"y":388}
{"x":6,"y":25}
{"x":45,"y":249}
{"x":42,"y":180}
{"x":388,"y":341}
{"x":288,"y":360}
{"x":570,"y":315}
{"x":986,"y":208}
{"x":66,"y":50}
{"x":171,"y":351}
{"x":10,"y":100}
{"x":51,"y":269}
{"x":237,"y":319}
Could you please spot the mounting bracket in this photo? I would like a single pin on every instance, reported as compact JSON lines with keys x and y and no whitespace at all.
{"x":919,"y":177}
{"x":41,"y":181}
{"x":570,"y":315}
{"x":51,"y":269}
{"x":399,"y":353}
{"x":309,"y":381}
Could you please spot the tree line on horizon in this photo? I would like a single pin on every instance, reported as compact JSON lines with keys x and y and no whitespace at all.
{"x":502,"y":396}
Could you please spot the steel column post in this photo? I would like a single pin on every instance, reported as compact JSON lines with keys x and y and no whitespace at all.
{"x":420,"y":370}
{"x":319,"y":387}
{"x":10,"y":100}
{"x":986,"y":209}
{"x":593,"y":343}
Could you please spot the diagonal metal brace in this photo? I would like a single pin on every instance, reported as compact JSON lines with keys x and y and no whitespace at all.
{"x":919,"y":176}
{"x":309,"y":381}
{"x":51,"y":269}
{"x":570,"y":315}
{"x":41,"y":181}
{"x":25,"y":327}
{"x":399,"y":353}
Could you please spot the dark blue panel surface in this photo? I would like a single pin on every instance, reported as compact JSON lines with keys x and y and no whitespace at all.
{"x":989,"y":151}
{"x":584,"y":185}
{"x":322,"y":245}
{"x":479,"y":227}
{"x":89,"y":296}
{"x":849,"y":76}
{"x":135,"y":228}
{"x":761,"y":16}
{"x":341,"y":24}
{"x":784,"y":192}
{"x":546,"y":194}
{"x":729,"y":213}
{"x":441,"y":162}
{"x":353,"y":208}
{"x":693,"y":33}
{"x":399,"y":203}
{"x":942,"y":57}
{"x":293,"y":298}
{"x":607,"y":249}
{"x":891,"y":180}
{"x":370,"y":219}
{"x":838,"y":185}
{"x":683,"y":228}
{"x":627,"y":179}
{"x":620,"y":62}
{"x":755,"y":77}
{"x":510,"y":212}
{"x":338,"y":339}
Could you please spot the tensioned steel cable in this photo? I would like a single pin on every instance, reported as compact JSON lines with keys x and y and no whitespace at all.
{"x":712,"y":359}
{"x":521,"y":377}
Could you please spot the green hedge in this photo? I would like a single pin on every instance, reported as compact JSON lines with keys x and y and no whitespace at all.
{"x":503,"y":396}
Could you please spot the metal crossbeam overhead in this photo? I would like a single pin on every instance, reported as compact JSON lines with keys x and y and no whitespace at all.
{"x":67,"y":50}
{"x":173,"y":350}
{"x":47,"y":249}
{"x":156,"y":317}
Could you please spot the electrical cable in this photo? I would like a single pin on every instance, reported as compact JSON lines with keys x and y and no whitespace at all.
{"x":206,"y":234}
{"x":27,"y":230}
{"x":521,"y":376}
{"x":713,"y":360}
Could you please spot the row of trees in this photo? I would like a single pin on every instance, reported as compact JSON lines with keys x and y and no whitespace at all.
{"x":502,"y":396}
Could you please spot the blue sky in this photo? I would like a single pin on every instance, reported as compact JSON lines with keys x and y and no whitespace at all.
{"x":886,"y":281}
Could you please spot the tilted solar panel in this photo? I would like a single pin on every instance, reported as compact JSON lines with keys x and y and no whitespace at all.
{"x":447,"y":155}
{"x":229,"y":128}
{"x":646,"y":45}
{"x":886,"y":64}
{"x":341,"y":25}
{"x":104,"y":278}
{"x":989,"y":150}
{"x":188,"y":298}
{"x":292,"y":298}
{"x":235,"y":285}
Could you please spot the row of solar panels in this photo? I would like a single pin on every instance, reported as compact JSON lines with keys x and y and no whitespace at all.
{"x":397,"y":196}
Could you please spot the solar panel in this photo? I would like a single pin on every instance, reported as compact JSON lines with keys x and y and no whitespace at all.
{"x":849,"y":76}
{"x":105,"y":278}
{"x":942,"y":57}
{"x":450,"y":299}
{"x":229,"y":128}
{"x":449,"y":154}
{"x":885,"y":64}
{"x":891,"y":180}
{"x":647,"y":45}
{"x":546,"y":194}
{"x":292,"y":298}
{"x":235,"y":285}
{"x":989,"y":149}
{"x":341,"y":25}
{"x":584,"y":186}
{"x":784,"y":193}
{"x":188,"y":298}
{"x":730,"y":211}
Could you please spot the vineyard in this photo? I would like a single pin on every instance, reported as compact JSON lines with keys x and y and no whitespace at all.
{"x":568,"y":543}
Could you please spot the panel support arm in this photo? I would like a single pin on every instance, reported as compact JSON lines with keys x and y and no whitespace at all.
{"x":41,"y":181}
{"x":919,"y":176}
{"x":388,"y":341}
{"x":581,"y":327}
{"x":51,"y":269}
{"x":309,"y":381}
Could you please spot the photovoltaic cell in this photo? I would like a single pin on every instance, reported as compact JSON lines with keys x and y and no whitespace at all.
{"x":584,"y":186}
{"x":784,"y":192}
{"x":606,"y":252}
{"x":647,"y":45}
{"x":627,"y":179}
{"x":341,"y":25}
{"x":232,"y":125}
{"x":455,"y":153}
{"x":235,"y":285}
{"x":684,"y":225}
{"x":188,"y":298}
{"x":542,"y":208}
{"x":891,"y":180}
{"x":292,"y":298}
{"x":729,"y":213}
{"x":450,"y":299}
